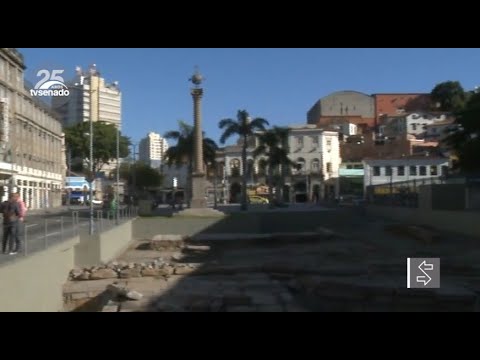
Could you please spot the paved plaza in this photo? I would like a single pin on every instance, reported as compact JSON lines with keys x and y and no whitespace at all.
{"x":325,"y":260}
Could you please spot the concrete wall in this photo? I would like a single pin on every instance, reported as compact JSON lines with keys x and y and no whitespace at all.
{"x":473,"y":198}
{"x":87,"y":251}
{"x":344,"y":103}
{"x":115,"y":241}
{"x":35,"y":283}
{"x":463,"y":222}
{"x":448,"y":197}
{"x":93,"y":250}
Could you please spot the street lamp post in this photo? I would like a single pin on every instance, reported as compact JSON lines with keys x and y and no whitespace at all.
{"x":225,"y":185}
{"x":215,"y":203}
{"x":69,"y":173}
{"x":91,"y":175}
{"x":134,"y":176}
{"x":307,"y":184}
{"x":117,"y":210}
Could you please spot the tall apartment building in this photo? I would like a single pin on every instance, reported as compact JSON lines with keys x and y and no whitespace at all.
{"x":91,"y":96}
{"x":32,"y":152}
{"x":152,"y":149}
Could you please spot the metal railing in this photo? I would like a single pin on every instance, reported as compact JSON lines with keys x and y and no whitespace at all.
{"x":406,"y":193}
{"x":41,"y":232}
{"x":401,"y":193}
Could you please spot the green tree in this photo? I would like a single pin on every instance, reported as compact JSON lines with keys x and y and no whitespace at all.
{"x":182,"y":153}
{"x":448,"y":96}
{"x":465,"y":137}
{"x":77,"y":141}
{"x":246,"y":128}
{"x":145,"y":176}
{"x":274,"y":145}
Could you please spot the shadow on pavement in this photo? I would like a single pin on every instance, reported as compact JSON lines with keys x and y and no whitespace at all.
{"x":339,"y":260}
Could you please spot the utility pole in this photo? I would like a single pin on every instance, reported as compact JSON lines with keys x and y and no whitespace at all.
{"x":134,"y":175}
{"x":91,"y":175}
{"x":117,"y":195}
{"x":215,"y":184}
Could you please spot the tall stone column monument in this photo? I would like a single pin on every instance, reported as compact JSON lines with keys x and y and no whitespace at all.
{"x":198,"y":205}
{"x":198,"y":176}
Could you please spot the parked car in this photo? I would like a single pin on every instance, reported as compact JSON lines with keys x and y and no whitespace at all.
{"x":254,"y":199}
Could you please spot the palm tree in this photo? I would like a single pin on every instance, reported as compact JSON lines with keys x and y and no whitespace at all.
{"x":274,"y":145}
{"x":245,"y":127}
{"x":182,"y":152}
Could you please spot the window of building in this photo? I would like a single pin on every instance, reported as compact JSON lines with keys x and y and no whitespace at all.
{"x":299,"y":140}
{"x":19,"y":77}
{"x":315,"y":165}
{"x":433,"y":170}
{"x":376,"y":171}
{"x":329,"y":142}
{"x":413,"y":171}
{"x":401,"y":171}
{"x":388,"y":171}
{"x":423,"y":171}
{"x":314,"y":141}
{"x":329,"y":167}
{"x":414,"y":127}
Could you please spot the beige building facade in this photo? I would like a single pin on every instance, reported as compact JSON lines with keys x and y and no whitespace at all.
{"x":32,"y":151}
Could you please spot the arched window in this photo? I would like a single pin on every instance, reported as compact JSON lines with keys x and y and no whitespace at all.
{"x":235,"y":167}
{"x":300,"y":165}
{"x":315,"y":165}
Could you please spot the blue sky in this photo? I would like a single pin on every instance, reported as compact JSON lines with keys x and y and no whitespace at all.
{"x":277,"y":84}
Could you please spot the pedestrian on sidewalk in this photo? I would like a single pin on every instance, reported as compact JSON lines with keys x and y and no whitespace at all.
{"x":20,"y":230}
{"x":113,"y":207}
{"x":11,"y":214}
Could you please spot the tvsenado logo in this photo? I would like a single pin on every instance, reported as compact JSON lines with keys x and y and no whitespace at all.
{"x":51,"y":84}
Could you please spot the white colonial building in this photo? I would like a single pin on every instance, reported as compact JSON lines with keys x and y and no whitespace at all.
{"x":315,"y":153}
{"x":387,"y":171}
{"x":32,"y":151}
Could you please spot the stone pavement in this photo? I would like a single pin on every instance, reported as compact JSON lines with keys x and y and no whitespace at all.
{"x":354,"y":263}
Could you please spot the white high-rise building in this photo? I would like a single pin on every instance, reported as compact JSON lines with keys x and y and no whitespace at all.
{"x":90,"y":89}
{"x":91,"y":97}
{"x":152,"y":149}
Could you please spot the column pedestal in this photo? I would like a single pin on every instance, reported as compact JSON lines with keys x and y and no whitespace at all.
{"x":198,"y":207}
{"x":198,"y":191}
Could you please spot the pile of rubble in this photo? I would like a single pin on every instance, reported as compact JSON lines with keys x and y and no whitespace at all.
{"x":123,"y":270}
